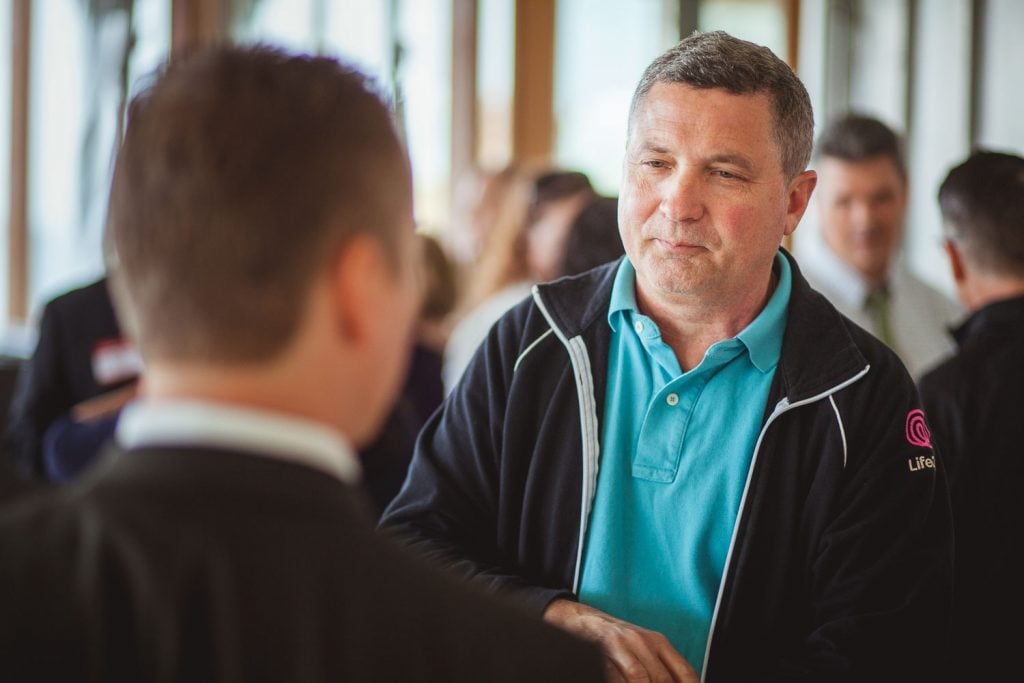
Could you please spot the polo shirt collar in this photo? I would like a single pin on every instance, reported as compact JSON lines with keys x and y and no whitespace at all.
{"x":763,"y":336}
{"x":623,"y":294}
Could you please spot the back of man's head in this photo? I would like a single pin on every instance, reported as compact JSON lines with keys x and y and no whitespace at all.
{"x":716,"y":59}
{"x":243,"y":171}
{"x":982,"y":202}
{"x":554,"y":186}
{"x":855,"y":138}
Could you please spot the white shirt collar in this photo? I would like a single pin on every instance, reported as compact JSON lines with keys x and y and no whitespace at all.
{"x":841,"y":281}
{"x":220,"y":425}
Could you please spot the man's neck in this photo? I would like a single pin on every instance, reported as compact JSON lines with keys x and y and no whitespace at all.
{"x":269,"y":387}
{"x":877,"y":278}
{"x":691,"y":326}
{"x":980,"y":291}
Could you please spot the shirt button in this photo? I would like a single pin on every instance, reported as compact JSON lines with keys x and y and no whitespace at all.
{"x":672,"y":399}
{"x":638,"y":326}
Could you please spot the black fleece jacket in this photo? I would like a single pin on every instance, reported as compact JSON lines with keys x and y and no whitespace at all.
{"x":840,"y":566}
{"x":974,"y":404}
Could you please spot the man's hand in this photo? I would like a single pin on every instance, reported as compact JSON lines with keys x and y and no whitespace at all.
{"x":631,"y":653}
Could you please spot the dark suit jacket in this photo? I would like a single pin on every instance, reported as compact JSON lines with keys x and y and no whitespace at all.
{"x":196,"y":565}
{"x":973,"y":403}
{"x":59,"y":374}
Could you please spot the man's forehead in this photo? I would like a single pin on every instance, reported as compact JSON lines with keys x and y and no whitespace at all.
{"x":880,"y":168}
{"x":726,"y":133}
{"x":670,"y":105}
{"x":662,"y":91}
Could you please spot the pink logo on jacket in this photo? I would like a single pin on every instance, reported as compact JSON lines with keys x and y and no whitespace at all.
{"x":918,"y":433}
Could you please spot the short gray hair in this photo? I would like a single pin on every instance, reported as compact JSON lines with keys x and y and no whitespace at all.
{"x":718,"y":60}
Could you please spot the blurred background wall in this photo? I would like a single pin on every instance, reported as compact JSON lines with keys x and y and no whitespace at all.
{"x":478,"y":84}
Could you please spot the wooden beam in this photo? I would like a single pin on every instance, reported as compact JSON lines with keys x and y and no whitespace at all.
{"x":464,"y":93}
{"x":793,"y":33}
{"x":979,"y":10}
{"x":195,"y":23}
{"x":18,"y":232}
{"x":689,"y":15}
{"x":533,"y":93}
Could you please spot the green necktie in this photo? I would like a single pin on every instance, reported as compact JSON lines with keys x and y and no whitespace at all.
{"x":877,"y":306}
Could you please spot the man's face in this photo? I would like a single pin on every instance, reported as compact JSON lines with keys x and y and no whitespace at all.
{"x":704,"y":202}
{"x":862,"y":205}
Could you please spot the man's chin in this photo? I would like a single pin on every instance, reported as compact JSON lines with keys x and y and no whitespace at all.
{"x":870,"y":266}
{"x":680,"y":283}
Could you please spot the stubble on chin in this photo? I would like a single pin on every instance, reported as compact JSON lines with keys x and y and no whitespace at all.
{"x":673,"y":275}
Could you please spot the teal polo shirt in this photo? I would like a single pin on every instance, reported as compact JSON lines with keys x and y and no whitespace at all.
{"x":676,"y":450}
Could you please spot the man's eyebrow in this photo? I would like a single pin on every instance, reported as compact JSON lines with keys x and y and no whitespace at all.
{"x":733,"y":159}
{"x":654,"y":147}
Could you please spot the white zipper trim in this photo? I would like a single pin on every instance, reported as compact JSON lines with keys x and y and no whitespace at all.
{"x":781,"y":407}
{"x":580,"y":360}
{"x":529,"y":348}
{"x":839,"y":421}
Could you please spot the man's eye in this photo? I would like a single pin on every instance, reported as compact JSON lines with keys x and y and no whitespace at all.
{"x":725,"y":174}
{"x":655,"y":163}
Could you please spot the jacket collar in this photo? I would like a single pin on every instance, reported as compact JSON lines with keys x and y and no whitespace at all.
{"x":818,"y":352}
{"x":999,"y":317}
{"x":577,"y":302}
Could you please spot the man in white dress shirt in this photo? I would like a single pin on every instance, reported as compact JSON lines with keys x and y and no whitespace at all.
{"x":862,"y":202}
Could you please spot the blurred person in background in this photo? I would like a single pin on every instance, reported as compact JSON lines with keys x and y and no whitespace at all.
{"x":593,"y":237}
{"x":856,"y":262}
{"x":425,"y":385}
{"x":386,"y":460}
{"x":552,"y":220}
{"x":503,"y":274}
{"x":973,"y":403}
{"x":68,"y":394}
{"x":478,"y":202}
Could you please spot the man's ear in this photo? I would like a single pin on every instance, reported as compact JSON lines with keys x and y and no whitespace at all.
{"x":355,"y":283}
{"x":798,"y":196}
{"x":956,"y":260}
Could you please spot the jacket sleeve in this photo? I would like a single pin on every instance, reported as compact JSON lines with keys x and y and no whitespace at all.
{"x":880,"y":571}
{"x":41,"y":394}
{"x":453,"y":508}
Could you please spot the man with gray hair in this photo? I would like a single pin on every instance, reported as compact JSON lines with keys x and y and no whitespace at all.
{"x":688,"y":455}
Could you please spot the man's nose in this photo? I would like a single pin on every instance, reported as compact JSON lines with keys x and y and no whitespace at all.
{"x":682,"y":197}
{"x":862,"y":215}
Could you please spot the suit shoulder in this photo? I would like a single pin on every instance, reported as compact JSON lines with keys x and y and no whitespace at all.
{"x":92,"y":294}
{"x":478,"y":634}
